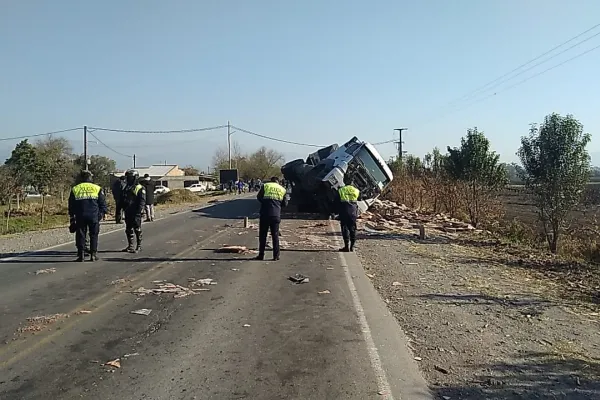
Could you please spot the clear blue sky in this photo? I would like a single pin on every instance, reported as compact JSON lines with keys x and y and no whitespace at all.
{"x":309,"y":71}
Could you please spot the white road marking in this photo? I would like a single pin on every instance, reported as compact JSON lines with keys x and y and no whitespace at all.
{"x":33,"y":252}
{"x":383,"y":384}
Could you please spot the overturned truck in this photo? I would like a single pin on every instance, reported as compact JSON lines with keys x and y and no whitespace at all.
{"x":315,"y":181}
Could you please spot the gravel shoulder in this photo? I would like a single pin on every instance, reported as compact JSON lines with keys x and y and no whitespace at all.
{"x":11,"y":245}
{"x":482,"y":324}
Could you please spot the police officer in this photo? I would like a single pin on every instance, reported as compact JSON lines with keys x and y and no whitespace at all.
{"x":347,"y":197}
{"x":134,"y":201}
{"x":87,"y":207}
{"x":272,"y":197}
{"x":117,"y":192}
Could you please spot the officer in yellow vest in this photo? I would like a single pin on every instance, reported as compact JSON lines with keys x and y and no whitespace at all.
{"x":272,"y":197}
{"x":347,"y":199}
{"x":134,"y":201}
{"x":87,"y":207}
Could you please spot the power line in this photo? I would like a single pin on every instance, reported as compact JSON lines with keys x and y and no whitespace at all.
{"x":486,"y":86}
{"x":275,"y":139}
{"x":108,"y":147}
{"x":39,"y":134}
{"x":519,"y":83}
{"x":211,"y":128}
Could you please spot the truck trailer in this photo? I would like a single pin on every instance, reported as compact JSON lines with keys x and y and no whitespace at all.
{"x":315,"y":181}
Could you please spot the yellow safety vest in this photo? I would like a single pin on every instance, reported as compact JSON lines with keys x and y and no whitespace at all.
{"x":349,"y":194}
{"x":274,"y":191}
{"x":137,"y":188}
{"x":86,"y":191}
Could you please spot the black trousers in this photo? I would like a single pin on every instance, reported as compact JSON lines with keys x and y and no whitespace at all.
{"x":118,"y":210}
{"x":133,"y":229}
{"x":348,"y":230}
{"x":265,"y":225}
{"x":83,"y":227}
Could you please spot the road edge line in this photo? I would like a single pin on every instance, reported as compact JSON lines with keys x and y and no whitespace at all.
{"x":120,"y":229}
{"x":383,"y":385}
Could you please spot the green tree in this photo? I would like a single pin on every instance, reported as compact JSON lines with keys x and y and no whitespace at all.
{"x":433,"y":177}
{"x":22,"y":162}
{"x":190,"y":171}
{"x":263,"y":163}
{"x":100,"y":166}
{"x":478,"y":169}
{"x":556,"y":168}
{"x":54,"y":167}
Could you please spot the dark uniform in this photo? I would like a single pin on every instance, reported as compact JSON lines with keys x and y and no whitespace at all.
{"x":134,"y":201}
{"x":117,"y":192}
{"x":87,"y":207}
{"x":272,"y":197}
{"x":348,"y":212}
{"x":149,"y":185}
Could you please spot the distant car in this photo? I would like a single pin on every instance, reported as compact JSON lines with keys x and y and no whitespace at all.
{"x":196,"y":187}
{"x":160,"y":189}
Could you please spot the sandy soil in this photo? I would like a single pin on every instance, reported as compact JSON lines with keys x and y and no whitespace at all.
{"x":489,"y":322}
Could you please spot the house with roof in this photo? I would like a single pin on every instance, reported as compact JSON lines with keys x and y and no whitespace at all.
{"x":169,"y":175}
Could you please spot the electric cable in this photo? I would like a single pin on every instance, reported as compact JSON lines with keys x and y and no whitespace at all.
{"x":39,"y":134}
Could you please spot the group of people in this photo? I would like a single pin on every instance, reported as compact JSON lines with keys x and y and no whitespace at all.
{"x":87,"y":207}
{"x":273,"y":196}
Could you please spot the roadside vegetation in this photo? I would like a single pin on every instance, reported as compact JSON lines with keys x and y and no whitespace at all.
{"x":547,"y":203}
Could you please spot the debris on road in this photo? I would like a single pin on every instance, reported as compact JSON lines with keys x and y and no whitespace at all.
{"x":396,"y":283}
{"x":131,"y":355}
{"x":370,"y":276}
{"x":36,"y":324}
{"x":246,"y":325}
{"x":114,"y":363}
{"x":84,"y":312}
{"x":45,"y":271}
{"x":118,"y":281}
{"x":235,"y":249}
{"x":329,"y":268}
{"x":299,"y":278}
{"x":324,"y":292}
{"x":440,"y":369}
{"x":201,"y":282}
{"x":385,"y":215}
{"x":418,"y":359}
{"x":142,"y":311}
{"x":235,"y":269}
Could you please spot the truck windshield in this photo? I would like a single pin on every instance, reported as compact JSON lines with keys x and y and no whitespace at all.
{"x":371,"y":165}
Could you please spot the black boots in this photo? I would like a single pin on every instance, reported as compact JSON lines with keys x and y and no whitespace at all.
{"x":79,"y":256}
{"x":346,"y":248}
{"x":352,"y":246}
{"x":93,"y":256}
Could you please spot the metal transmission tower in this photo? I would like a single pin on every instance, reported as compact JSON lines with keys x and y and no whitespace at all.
{"x":400,"y":142}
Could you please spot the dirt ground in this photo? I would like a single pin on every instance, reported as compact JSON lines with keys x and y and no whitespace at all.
{"x":488,"y":322}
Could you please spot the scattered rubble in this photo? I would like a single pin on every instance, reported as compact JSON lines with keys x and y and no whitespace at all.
{"x":45,"y":271}
{"x":142,"y":311}
{"x":324,"y":292}
{"x":118,"y":281}
{"x":36,"y":324}
{"x":114,"y":363}
{"x":235,"y":250}
{"x":84,"y":312}
{"x":178,"y":291}
{"x":299,"y":278}
{"x":385,"y":215}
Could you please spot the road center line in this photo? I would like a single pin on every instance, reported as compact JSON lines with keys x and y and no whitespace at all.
{"x":383,"y":384}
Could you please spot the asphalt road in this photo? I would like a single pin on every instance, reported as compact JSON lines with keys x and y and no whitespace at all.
{"x":253,"y":335}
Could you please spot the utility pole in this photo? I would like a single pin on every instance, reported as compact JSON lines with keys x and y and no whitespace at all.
{"x":85,"y":157}
{"x":134,"y":161}
{"x":400,"y":142}
{"x":229,"y":142}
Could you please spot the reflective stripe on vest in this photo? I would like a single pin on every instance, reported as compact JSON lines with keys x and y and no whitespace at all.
{"x":274,"y":191}
{"x":86,"y":191}
{"x":137,"y":189}
{"x":349,"y":194}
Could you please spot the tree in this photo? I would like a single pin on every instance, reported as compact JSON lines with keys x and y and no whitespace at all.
{"x":263,"y":163}
{"x":190,"y":171}
{"x":54,"y":167}
{"x":556,"y":168}
{"x":22,"y":162}
{"x":100,"y":166}
{"x":476,"y":167}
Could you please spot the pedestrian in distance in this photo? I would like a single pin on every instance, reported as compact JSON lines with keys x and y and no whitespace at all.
{"x":346,"y":199}
{"x":87,"y":207}
{"x":272,"y":197}
{"x":134,"y":201}
{"x":149,"y":185}
{"x":117,"y":192}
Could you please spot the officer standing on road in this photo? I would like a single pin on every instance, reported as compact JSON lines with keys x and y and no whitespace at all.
{"x":134,"y":201}
{"x":347,"y":197}
{"x":149,"y":185}
{"x":272,"y":197}
{"x":117,"y":192}
{"x":87,"y":207}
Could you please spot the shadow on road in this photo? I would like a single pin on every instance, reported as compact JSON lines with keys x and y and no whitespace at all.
{"x":523,"y":302}
{"x":233,"y":209}
{"x":536,"y":376}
